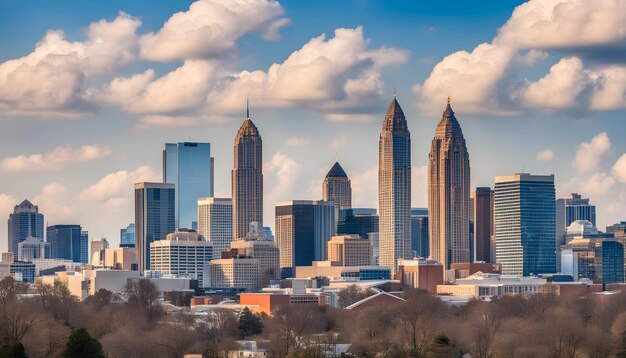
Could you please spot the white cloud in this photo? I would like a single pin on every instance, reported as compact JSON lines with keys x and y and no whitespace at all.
{"x":49,"y":80}
{"x":589,"y":154}
{"x":7,"y":202}
{"x":619,"y":169}
{"x":297,"y":141}
{"x":210,"y":28}
{"x":550,"y":24}
{"x":336,"y":76}
{"x":610,"y":88}
{"x":53,"y":202}
{"x":116,"y":187}
{"x":284,"y":179}
{"x":545,"y":155}
{"x":56,"y":159}
{"x":365,"y":188}
{"x":560,"y":88}
{"x":271,"y":34}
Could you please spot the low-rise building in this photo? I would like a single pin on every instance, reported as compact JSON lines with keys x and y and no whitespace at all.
{"x":487,"y":285}
{"x":350,"y":250}
{"x":420,"y":273}
{"x":237,"y":272}
{"x":181,"y":253}
{"x":351,"y":273}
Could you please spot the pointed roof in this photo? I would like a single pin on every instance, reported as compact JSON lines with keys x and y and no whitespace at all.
{"x":336,"y":172}
{"x":247,"y":129}
{"x":26,"y":202}
{"x":448,"y":125}
{"x":394,"y":118}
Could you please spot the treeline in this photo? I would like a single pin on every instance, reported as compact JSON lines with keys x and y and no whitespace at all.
{"x":52,"y":323}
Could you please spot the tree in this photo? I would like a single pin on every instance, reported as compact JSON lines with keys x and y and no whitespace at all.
{"x":416,"y":316}
{"x":16,"y":350}
{"x":16,"y":320}
{"x":352,"y":294}
{"x":81,"y":344}
{"x":249,"y":324}
{"x":100,"y":299}
{"x":219,"y":330}
{"x":144,"y":294}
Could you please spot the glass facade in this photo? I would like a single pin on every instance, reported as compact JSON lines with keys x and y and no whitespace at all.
{"x":127,"y":236}
{"x":189,"y":166}
{"x":525,"y":216}
{"x":23,"y":271}
{"x":154,"y":217}
{"x":419,"y":232}
{"x":610,"y":261}
{"x":67,"y":242}
{"x":25,"y":221}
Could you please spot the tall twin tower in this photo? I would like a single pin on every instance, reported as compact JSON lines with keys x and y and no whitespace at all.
{"x":448,"y":190}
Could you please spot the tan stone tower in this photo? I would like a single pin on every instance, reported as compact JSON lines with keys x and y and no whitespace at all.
{"x":394,"y":188}
{"x":247,"y":179}
{"x":449,"y":193}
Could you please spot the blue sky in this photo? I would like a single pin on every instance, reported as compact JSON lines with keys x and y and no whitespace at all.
{"x":85,"y":113}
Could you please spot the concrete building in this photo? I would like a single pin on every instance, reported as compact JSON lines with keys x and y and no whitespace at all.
{"x":303,"y":229}
{"x":67,"y":242}
{"x":485,"y":286}
{"x":596,"y":259}
{"x":154,"y":217}
{"x":394,"y":188}
{"x":265,"y":251}
{"x":182,"y":253}
{"x":350,"y":273}
{"x":238,"y":273}
{"x":215,"y":223}
{"x":88,"y":282}
{"x":525,"y":224}
{"x":449,"y":193}
{"x":25,"y":221}
{"x":247,"y":179}
{"x":189,"y":166}
{"x":337,"y":188}
{"x":33,"y":248}
{"x":422,"y":274}
{"x":349,"y":250}
{"x":120,"y":258}
{"x":97,"y":246}
{"x":482,"y":201}
{"x":419,"y":232}
{"x":568,"y":210}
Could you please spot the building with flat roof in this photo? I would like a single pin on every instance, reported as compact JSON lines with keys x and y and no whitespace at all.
{"x":420,"y":273}
{"x":349,"y":273}
{"x":215,"y":223}
{"x":350,"y":250}
{"x":236,"y":272}
{"x":33,"y":248}
{"x":265,"y":251}
{"x":487,"y":285}
{"x":182,"y":253}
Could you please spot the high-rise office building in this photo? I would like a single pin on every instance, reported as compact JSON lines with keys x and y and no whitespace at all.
{"x":360,"y":221}
{"x":337,"y":188}
{"x":25,"y":221}
{"x":67,"y":242}
{"x":127,"y":236}
{"x":154,"y":217}
{"x":215,"y":223}
{"x":33,"y":248}
{"x":84,"y":246}
{"x":263,"y":250}
{"x":419,"y":232}
{"x":449,"y":193}
{"x":525,"y":216}
{"x":394,"y":188}
{"x":349,"y":250}
{"x":303,"y":228}
{"x":247,"y":179}
{"x":188,"y":165}
{"x":482,"y":217}
{"x":568,"y":210}
{"x":183,"y":252}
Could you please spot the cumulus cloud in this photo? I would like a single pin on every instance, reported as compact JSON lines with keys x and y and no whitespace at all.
{"x":297,"y":141}
{"x":54,"y":203}
{"x":484,"y":79}
{"x":116,"y":189}
{"x":337,"y":76}
{"x":210,"y":28}
{"x":55,"y":159}
{"x":545,"y":155}
{"x":365,"y":188}
{"x":589,"y":154}
{"x":49,"y":80}
{"x":619,"y":169}
{"x":7,"y":202}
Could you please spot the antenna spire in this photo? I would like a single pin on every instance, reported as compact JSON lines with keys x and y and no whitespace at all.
{"x":394,"y":92}
{"x":247,"y":108}
{"x":448,"y":100}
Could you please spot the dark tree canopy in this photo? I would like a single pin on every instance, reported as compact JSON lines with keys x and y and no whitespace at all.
{"x":249,"y":323}
{"x":81,"y":344}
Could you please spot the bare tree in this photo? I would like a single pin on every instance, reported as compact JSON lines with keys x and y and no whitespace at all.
{"x":144,"y":294}
{"x":16,"y":320}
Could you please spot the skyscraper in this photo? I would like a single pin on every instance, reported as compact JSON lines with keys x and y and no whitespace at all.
{"x":419,"y":232}
{"x":568,"y":210}
{"x":525,"y":224}
{"x":247,"y":179}
{"x":336,"y":188}
{"x":449,"y":193}
{"x":188,"y":165}
{"x":394,"y":188}
{"x":482,"y":210}
{"x":154,"y":217}
{"x":215,"y":223}
{"x":67,"y":242}
{"x":127,"y":236}
{"x":25,"y":221}
{"x":303,"y":228}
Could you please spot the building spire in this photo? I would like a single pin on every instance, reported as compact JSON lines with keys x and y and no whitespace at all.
{"x":394,"y":92}
{"x":248,"y":107}
{"x":448,"y":100}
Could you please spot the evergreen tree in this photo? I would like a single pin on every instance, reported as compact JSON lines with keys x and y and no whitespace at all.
{"x":249,"y":324}
{"x":81,"y":344}
{"x":16,"y":350}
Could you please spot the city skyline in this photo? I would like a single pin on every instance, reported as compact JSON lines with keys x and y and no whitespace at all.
{"x":118,"y":146}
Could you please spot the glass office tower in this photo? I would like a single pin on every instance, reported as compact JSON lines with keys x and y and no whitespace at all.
{"x":127,"y":236}
{"x":25,"y":221}
{"x":525,"y":212}
{"x":154,"y":218}
{"x":189,"y":166}
{"x":67,"y":242}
